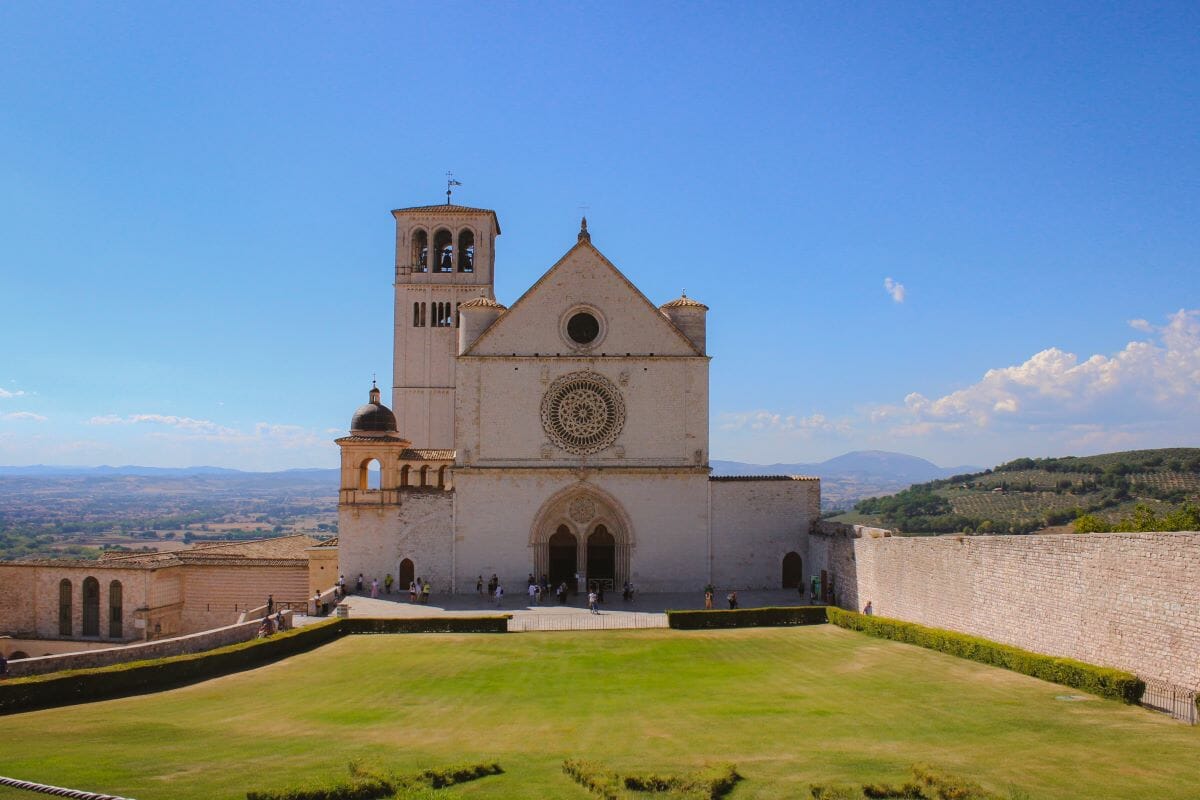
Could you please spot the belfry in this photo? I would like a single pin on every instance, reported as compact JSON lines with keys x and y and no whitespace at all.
{"x":564,"y":437}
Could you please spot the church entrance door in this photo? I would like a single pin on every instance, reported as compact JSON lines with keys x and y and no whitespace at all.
{"x":407,"y":575}
{"x":601,"y":558}
{"x":793,"y":571}
{"x":563,"y":561}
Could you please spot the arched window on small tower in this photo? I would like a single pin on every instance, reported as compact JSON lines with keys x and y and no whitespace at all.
{"x":420,"y":251}
{"x":466,"y":250}
{"x":370,"y":475}
{"x":443,"y":251}
{"x":116,"y":610}
{"x":64,"y":607}
{"x":416,"y":315}
{"x":404,"y":475}
{"x":91,"y":607}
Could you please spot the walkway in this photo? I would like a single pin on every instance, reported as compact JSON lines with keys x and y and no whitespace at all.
{"x":645,"y":611}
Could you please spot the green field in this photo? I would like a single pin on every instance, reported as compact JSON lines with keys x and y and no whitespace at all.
{"x":788,"y":706}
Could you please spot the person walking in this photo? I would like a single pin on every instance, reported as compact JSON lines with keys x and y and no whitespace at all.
{"x":270,"y":604}
{"x":412,"y":591}
{"x":479,"y":586}
{"x":499,"y":594}
{"x":425,"y":589}
{"x":592,"y":602}
{"x":374,"y":588}
{"x":732,"y":598}
{"x":341,"y":586}
{"x":708,"y":598}
{"x":387,"y":583}
{"x":869,"y":609}
{"x":358,"y":586}
{"x":532,"y":594}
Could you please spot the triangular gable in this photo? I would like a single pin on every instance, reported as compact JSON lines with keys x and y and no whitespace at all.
{"x":583,"y":276}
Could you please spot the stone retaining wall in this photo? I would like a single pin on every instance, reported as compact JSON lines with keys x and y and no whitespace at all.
{"x":1126,"y":600}
{"x":161,"y":648}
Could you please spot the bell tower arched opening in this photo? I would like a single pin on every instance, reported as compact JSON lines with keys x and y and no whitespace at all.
{"x":466,"y":250}
{"x":443,"y":251}
{"x":420,"y":251}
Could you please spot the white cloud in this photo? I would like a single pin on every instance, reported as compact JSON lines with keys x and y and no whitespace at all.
{"x":5,"y":394}
{"x":1153,"y":379}
{"x":23,"y":415}
{"x":1141,"y":325}
{"x":895,"y":289}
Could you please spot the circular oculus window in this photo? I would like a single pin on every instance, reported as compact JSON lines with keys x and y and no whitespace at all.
{"x":583,"y":412}
{"x":583,"y":327}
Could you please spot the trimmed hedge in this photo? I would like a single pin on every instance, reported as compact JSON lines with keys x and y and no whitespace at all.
{"x":140,"y":677}
{"x":927,"y":784}
{"x":1104,"y":681}
{"x":711,"y":783}
{"x":366,"y":785}
{"x":769,"y":616}
{"x":496,"y":623}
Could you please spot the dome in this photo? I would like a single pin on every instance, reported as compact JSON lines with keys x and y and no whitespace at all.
{"x":374,"y":417}
{"x":483,"y":302}
{"x":684,"y":302}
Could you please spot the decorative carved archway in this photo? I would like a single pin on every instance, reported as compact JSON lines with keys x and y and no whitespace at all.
{"x":580,"y":510}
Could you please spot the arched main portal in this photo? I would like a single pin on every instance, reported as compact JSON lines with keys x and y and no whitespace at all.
{"x":793,"y":571}
{"x":563,"y":557}
{"x":582,"y":530}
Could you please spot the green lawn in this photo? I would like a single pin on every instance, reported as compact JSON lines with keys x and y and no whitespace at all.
{"x":787,"y":706}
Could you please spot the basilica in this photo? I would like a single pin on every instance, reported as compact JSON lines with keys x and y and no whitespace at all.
{"x":565,"y":436}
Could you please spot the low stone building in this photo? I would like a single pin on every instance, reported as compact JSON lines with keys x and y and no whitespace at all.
{"x":121,"y":598}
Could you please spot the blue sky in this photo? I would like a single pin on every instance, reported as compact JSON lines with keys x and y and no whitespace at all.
{"x":969,"y":233}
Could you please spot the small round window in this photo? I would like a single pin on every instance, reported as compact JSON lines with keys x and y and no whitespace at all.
{"x":583,"y":328}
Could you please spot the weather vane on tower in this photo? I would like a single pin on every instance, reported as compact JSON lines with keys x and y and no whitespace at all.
{"x":450,"y":184}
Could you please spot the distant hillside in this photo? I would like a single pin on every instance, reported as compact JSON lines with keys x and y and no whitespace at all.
{"x":848,"y":478}
{"x":1028,"y":494}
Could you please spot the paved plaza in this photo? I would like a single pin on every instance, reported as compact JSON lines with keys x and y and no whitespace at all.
{"x":644,"y":611}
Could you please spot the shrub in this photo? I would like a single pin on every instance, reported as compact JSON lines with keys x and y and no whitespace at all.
{"x":139,"y":677}
{"x":367,"y":785}
{"x":600,"y":782}
{"x":747,"y":617}
{"x":1104,"y":681}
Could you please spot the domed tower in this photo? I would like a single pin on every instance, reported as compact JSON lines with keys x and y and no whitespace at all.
{"x":373,"y":438}
{"x":689,"y":316}
{"x":445,"y":256}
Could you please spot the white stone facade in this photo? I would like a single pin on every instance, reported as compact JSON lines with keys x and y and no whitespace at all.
{"x":577,"y":441}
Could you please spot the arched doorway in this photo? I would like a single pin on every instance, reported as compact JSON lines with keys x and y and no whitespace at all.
{"x":91,"y":607}
{"x":407,"y":574}
{"x":564,"y":561}
{"x":602,"y":558}
{"x":793,"y":571}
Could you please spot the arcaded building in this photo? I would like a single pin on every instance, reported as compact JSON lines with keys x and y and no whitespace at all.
{"x":566,"y":434}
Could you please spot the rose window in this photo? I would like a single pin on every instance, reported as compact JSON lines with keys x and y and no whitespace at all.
{"x":583,"y":412}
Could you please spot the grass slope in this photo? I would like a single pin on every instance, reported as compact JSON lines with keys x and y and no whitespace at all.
{"x":787,"y":706}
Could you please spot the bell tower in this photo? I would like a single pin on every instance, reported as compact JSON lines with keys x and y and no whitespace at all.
{"x":445,"y":256}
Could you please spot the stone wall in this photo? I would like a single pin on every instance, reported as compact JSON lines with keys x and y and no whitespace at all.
{"x":1127,"y":600}
{"x":161,"y":648}
{"x":217,"y":595}
{"x":374,"y":540}
{"x":755,"y":523}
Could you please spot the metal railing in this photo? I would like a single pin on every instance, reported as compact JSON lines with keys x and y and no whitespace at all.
{"x":1177,"y":701}
{"x":585,"y":622}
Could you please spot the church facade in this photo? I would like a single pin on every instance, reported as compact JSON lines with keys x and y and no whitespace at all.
{"x":565,"y":436}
